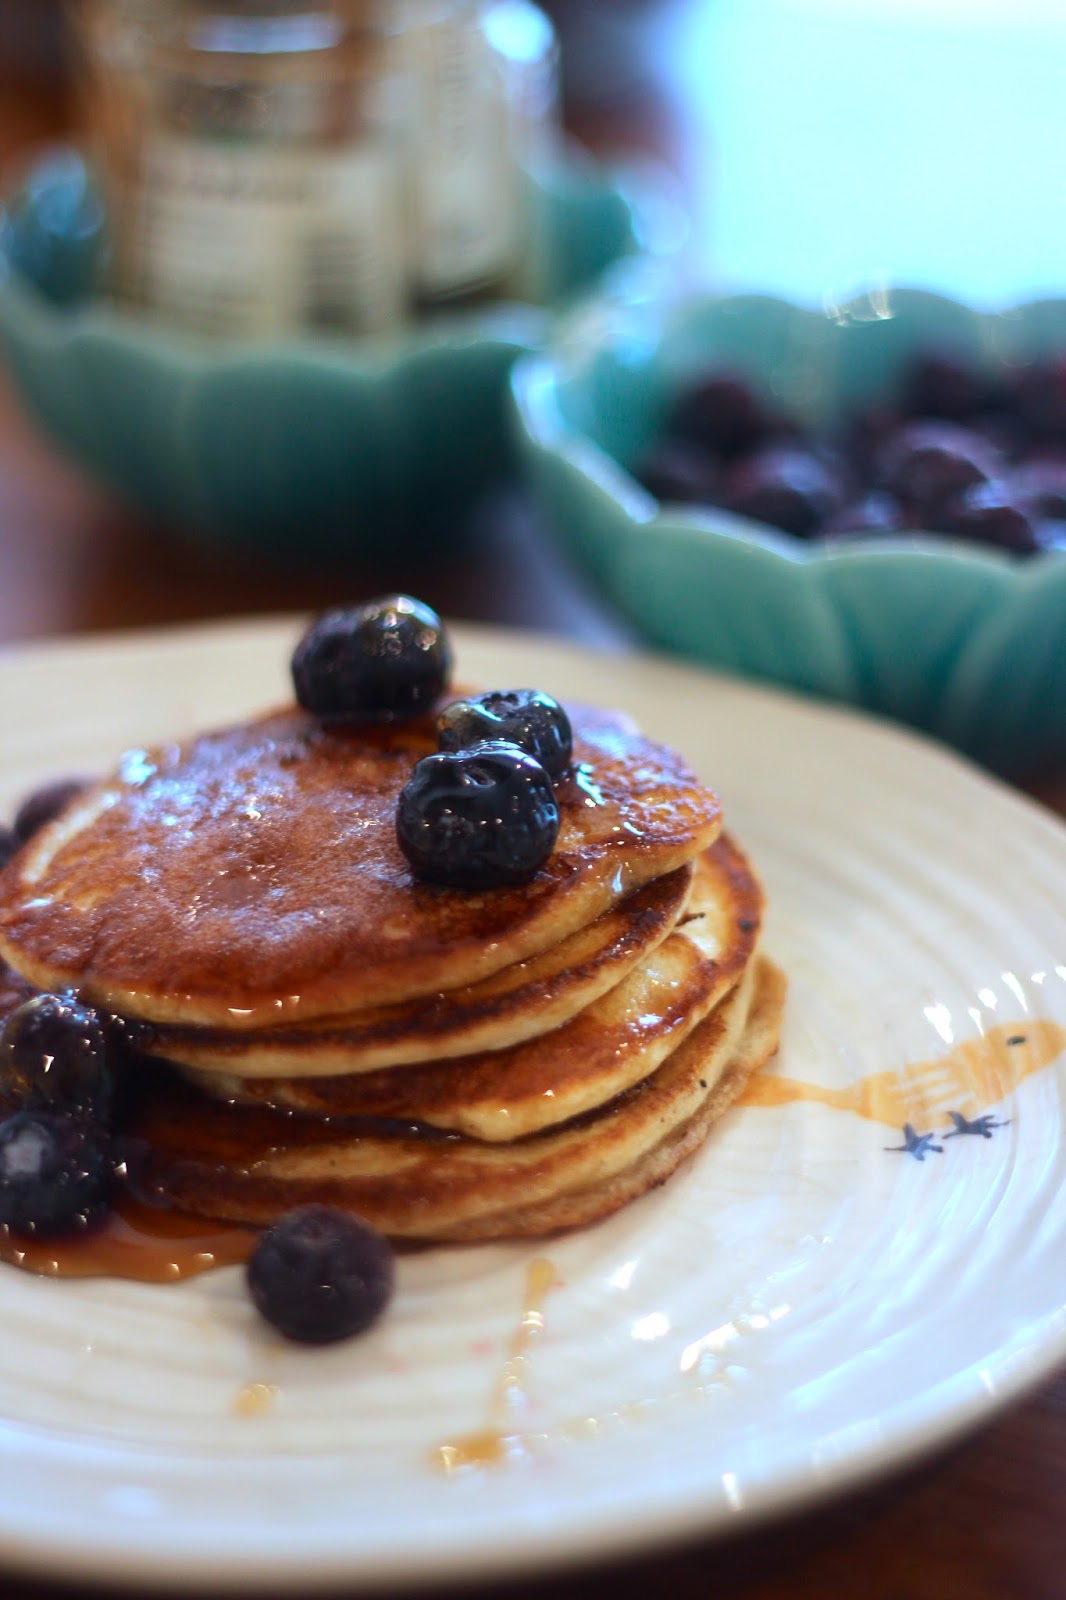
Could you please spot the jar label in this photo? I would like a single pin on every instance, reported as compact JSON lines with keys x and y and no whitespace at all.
{"x":466,"y":199}
{"x":250,"y":242}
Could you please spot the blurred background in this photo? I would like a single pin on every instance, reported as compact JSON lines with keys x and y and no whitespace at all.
{"x":815,"y":149}
{"x":818,"y":142}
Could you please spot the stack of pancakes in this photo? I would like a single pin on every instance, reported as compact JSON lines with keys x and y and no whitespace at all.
{"x":312,"y":1023}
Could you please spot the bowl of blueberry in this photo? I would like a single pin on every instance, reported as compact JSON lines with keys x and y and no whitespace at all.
{"x":866,"y":503}
{"x":311,"y":446}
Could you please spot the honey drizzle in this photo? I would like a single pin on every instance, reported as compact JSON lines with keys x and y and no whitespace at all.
{"x":134,"y":1241}
{"x":973,"y":1076}
{"x":500,"y":1440}
{"x":255,"y":1399}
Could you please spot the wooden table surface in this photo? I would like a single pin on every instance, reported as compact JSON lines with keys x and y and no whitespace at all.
{"x":984,"y":1521}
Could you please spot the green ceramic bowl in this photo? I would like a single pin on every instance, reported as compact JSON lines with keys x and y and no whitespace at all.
{"x":311,"y":447}
{"x":965,"y":643}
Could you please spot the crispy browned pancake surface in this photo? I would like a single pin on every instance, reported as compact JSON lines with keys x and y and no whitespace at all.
{"x":251,"y":1165}
{"x":614,"y":1042}
{"x":524,"y":1000}
{"x":252,"y":876}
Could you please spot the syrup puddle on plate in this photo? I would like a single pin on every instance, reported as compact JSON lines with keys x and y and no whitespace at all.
{"x":134,"y":1241}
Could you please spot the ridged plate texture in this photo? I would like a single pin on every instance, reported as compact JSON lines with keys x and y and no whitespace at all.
{"x":807,"y":1304}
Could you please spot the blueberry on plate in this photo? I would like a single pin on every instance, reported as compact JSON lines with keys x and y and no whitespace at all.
{"x":481,"y":818}
{"x":533,"y":721}
{"x":384,"y":660}
{"x":58,"y":1054}
{"x":44,"y":804}
{"x":55,"y":1172}
{"x":320,"y":1274}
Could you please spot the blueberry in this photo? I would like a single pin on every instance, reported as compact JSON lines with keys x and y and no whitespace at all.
{"x":991,"y":514}
{"x":387,"y":659}
{"x":724,"y":415}
{"x":58,"y":1054}
{"x":1000,"y":429}
{"x":940,"y":384}
{"x":55,"y":1172}
{"x":926,"y":464}
{"x":533,"y":721}
{"x":678,"y":471}
{"x":320,"y":1274}
{"x":8,"y":844}
{"x":1039,"y":394}
{"x":875,"y":512}
{"x":481,"y":818}
{"x":44,"y":804}
{"x":1051,"y":534}
{"x":863,"y":434}
{"x":787,"y":486}
{"x":1042,"y":483}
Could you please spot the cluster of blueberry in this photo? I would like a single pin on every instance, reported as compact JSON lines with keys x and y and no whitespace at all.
{"x":59,"y":1079}
{"x":481,"y":813}
{"x":955,"y":451}
{"x":318,"y":1275}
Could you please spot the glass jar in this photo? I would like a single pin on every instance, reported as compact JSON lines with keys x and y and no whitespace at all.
{"x":485,"y":92}
{"x":251,"y":157}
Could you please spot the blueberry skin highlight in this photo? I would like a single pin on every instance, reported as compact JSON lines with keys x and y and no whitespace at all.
{"x":386,"y":660}
{"x":535,"y":722}
{"x":57,"y":1054}
{"x":320,"y":1275}
{"x":56,"y":1172}
{"x":482,"y":818}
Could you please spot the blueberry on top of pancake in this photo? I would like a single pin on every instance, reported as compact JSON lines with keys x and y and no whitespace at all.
{"x":385,"y":660}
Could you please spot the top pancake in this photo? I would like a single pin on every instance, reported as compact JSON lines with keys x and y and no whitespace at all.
{"x":522,"y":1002}
{"x":251,"y":876}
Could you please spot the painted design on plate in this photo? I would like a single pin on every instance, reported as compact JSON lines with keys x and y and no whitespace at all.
{"x":915,"y":1144}
{"x":974,"y":1073}
{"x":981,"y":1126}
{"x":962,"y":1085}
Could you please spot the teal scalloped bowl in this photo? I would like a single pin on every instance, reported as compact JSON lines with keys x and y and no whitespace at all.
{"x":312,"y":447}
{"x":966,"y":644}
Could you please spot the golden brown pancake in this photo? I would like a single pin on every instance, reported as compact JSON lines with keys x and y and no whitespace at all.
{"x":252,"y":876}
{"x":520,"y":1002}
{"x":251,"y":1165}
{"x":577,"y":1208}
{"x":613,"y":1043}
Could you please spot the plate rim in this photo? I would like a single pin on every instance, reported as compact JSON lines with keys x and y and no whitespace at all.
{"x":601,"y":1538}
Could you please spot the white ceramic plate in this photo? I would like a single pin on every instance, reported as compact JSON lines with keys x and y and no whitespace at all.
{"x":801,"y":1307}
